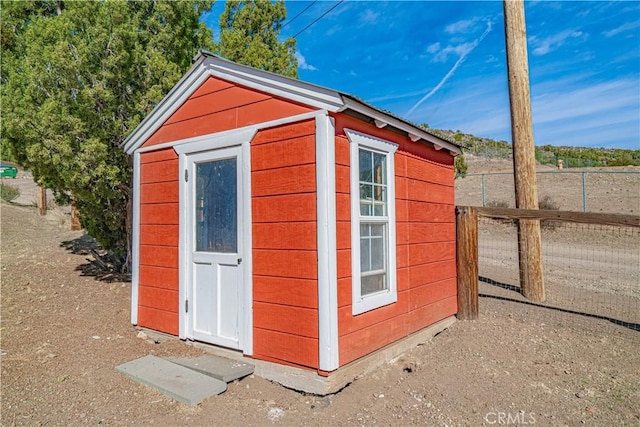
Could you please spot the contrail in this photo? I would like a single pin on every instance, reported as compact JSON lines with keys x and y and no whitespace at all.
{"x":452,"y":70}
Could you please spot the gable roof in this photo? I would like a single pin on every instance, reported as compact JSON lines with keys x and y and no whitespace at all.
{"x":208,"y":64}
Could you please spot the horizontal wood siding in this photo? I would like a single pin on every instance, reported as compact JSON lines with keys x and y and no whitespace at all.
{"x":425,"y":239}
{"x":219,"y":106}
{"x":158,"y":251}
{"x":285,"y":269}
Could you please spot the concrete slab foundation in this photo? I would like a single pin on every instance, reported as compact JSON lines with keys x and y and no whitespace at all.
{"x":176,"y":381}
{"x":221,"y":368}
{"x":310,"y":382}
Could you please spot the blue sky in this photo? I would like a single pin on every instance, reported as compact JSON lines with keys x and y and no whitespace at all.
{"x":444,"y":64}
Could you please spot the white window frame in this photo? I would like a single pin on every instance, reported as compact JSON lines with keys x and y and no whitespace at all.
{"x":363,"y":303}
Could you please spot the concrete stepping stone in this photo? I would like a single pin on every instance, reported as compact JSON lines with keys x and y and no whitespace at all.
{"x":176,"y":381}
{"x":221,"y":368}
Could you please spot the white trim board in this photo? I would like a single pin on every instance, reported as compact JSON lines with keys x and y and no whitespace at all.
{"x":413,"y":132}
{"x":207,"y":64}
{"x":188,"y":146}
{"x":327,"y":246}
{"x":241,"y":138}
{"x":362,"y":304}
{"x":135,"y":239}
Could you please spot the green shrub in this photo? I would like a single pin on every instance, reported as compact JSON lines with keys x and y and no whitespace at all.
{"x":460,"y":166}
{"x":8,"y":193}
{"x":497,"y":204}
{"x":547,"y":203}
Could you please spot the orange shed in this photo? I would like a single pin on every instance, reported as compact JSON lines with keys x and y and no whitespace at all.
{"x":290,"y":223}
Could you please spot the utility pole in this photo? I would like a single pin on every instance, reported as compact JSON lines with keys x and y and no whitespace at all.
{"x":524,"y":162}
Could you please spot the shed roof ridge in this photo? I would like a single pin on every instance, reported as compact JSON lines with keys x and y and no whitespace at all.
{"x":207,"y":64}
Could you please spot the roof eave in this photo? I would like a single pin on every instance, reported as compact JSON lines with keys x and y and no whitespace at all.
{"x":150,"y":122}
{"x":274,"y":84}
{"x":208,"y":64}
{"x":414,"y":133}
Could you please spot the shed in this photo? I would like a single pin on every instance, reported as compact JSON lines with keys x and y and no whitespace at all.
{"x":290,"y":223}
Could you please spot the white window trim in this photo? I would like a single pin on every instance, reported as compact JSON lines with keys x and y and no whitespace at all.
{"x":362,"y":304}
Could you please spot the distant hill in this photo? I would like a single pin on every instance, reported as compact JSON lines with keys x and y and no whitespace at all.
{"x":573,"y":157}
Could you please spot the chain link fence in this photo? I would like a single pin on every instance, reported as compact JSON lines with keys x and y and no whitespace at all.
{"x":579,"y":191}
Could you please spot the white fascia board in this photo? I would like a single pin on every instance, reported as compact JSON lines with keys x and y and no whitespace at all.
{"x":351,"y":104}
{"x":327,"y":245}
{"x":188,"y":84}
{"x":275,"y":84}
{"x":165,"y":109}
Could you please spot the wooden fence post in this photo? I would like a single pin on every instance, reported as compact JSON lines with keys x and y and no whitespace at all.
{"x":42,"y":200}
{"x":75,"y":219}
{"x":467,"y":262}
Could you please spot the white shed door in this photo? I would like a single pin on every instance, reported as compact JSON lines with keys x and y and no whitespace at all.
{"x":214,"y":305}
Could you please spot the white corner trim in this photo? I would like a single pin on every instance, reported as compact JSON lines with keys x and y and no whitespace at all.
{"x":183,"y":250}
{"x":357,"y":140}
{"x":135,"y":239}
{"x":247,"y":245}
{"x":327,"y":245}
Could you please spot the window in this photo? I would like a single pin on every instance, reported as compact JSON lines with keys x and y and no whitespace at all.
{"x":373,"y":247}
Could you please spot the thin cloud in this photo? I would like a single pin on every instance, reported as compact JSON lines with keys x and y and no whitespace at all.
{"x":582,"y":102}
{"x":462,"y":49}
{"x":461,"y":26}
{"x":369,"y":17}
{"x":551,"y":43}
{"x":393,"y":96}
{"x":302,"y":63}
{"x":622,"y":28}
{"x":463,"y":55}
{"x":434,"y":47}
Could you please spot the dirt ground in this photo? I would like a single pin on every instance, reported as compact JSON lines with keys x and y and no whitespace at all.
{"x":62,"y":334}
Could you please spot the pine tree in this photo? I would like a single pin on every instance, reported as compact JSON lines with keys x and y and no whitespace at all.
{"x":77,"y":78}
{"x":249,"y":31}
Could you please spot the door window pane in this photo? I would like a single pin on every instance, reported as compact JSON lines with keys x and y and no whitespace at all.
{"x":217,"y":206}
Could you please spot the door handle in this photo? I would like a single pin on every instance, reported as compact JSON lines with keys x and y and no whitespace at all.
{"x":239,"y":261}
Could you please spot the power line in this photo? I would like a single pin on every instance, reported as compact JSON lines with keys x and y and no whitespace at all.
{"x":303,"y":11}
{"x":317,"y":19}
